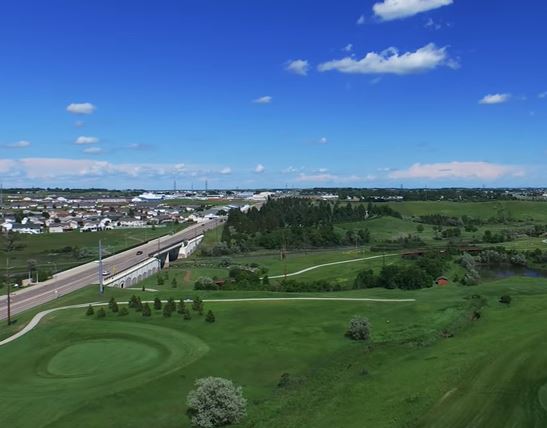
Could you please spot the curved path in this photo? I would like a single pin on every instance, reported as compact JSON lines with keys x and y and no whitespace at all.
{"x":331,"y":264}
{"x":40,"y":315}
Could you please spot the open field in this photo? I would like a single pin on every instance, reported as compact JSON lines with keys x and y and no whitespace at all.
{"x":134,"y":371}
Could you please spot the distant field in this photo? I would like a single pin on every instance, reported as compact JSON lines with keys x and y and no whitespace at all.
{"x":519,"y":210}
{"x":74,"y":371}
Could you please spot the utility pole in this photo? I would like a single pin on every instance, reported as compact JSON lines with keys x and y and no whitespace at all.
{"x":8,"y":281}
{"x":101,"y":282}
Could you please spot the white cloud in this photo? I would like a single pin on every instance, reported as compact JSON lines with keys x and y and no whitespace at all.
{"x":432,"y":24}
{"x":19,"y":144}
{"x":81,"y":108}
{"x":79,"y":124}
{"x":93,"y":150}
{"x":323,"y":140}
{"x":361,"y":20}
{"x":225,"y":171}
{"x":495,"y":99}
{"x":542,"y":95}
{"x":259,"y":168}
{"x":263,"y":100}
{"x":326,"y":177}
{"x":397,"y":9}
{"x":86,"y":140}
{"x":298,"y":66}
{"x":390,"y":61}
{"x":348,"y":48}
{"x":457,"y":170}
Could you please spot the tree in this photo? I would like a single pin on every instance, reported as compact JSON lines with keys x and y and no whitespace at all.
{"x":111,"y":302}
{"x":101,"y":313}
{"x":146,"y":311}
{"x":123,"y":311}
{"x":358,"y":328}
{"x":90,"y":311}
{"x":265,"y":280}
{"x":505,"y":299}
{"x":215,"y":402}
{"x":197,"y":305}
{"x":181,"y":307}
{"x":167,"y":311}
{"x":172,"y":305}
{"x":210,"y":317}
{"x":174,"y":282}
{"x":139,"y":306}
{"x":157,"y":303}
{"x":420,"y":228}
{"x":187,"y":315}
{"x":114,"y":308}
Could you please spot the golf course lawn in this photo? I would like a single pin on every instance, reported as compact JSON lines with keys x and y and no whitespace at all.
{"x":74,"y":370}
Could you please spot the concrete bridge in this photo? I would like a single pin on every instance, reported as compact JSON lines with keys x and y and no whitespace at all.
{"x":156,"y":261}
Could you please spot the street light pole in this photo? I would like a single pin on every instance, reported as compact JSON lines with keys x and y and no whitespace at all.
{"x":101,"y":284}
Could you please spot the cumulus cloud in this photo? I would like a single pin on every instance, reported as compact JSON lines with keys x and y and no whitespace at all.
{"x":81,"y":108}
{"x":361,"y":20}
{"x":495,"y":99}
{"x":86,"y":140}
{"x":93,"y":150}
{"x":389,"y":10}
{"x":19,"y":144}
{"x":225,"y":171}
{"x":298,"y":66}
{"x":457,"y":170}
{"x":390,"y":61}
{"x":263,"y":100}
{"x":259,"y":168}
{"x":348,"y":47}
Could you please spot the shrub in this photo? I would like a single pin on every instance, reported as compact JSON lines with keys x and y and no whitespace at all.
{"x":210,"y":317}
{"x":197,"y":305}
{"x":181,"y":307}
{"x":215,"y":402}
{"x":174,"y":282}
{"x":505,"y":299}
{"x":167,"y":311}
{"x":123,"y":311}
{"x":146,"y":311}
{"x":187,"y":314}
{"x":157,"y":303}
{"x":90,"y":311}
{"x":111,"y":302}
{"x":138,"y":305}
{"x":114,"y":307}
{"x":101,"y":313}
{"x":358,"y":328}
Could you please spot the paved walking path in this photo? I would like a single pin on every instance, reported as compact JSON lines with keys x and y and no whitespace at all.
{"x":40,"y":315}
{"x":331,"y":264}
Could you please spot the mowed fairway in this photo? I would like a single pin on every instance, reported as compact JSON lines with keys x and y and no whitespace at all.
{"x":74,"y":370}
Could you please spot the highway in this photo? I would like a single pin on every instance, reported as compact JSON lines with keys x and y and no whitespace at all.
{"x":84,"y":275}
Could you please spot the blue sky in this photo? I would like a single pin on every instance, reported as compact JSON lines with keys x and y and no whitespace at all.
{"x":272,"y":93}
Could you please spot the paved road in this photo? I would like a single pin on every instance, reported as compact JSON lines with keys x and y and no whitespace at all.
{"x":38,"y":317}
{"x":81,"y":276}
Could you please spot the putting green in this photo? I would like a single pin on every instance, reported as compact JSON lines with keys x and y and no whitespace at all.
{"x":87,"y":359}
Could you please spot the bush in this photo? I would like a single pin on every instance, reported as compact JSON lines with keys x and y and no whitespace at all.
{"x":174,"y":282}
{"x":123,"y":311}
{"x":146,"y":311}
{"x":101,"y":313}
{"x":187,"y":316}
{"x":90,"y":311}
{"x":505,"y":299}
{"x":181,"y":307}
{"x":358,"y":328}
{"x":111,"y":302}
{"x":157,"y":303}
{"x":197,"y":305}
{"x":114,"y":307}
{"x":215,"y":402}
{"x":210,"y":317}
{"x":167,"y":311}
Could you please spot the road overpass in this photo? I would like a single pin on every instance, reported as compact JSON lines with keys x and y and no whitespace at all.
{"x":84,"y":275}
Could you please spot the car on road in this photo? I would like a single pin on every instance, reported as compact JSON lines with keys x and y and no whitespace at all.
{"x":106,"y":273}
{"x":139,"y":253}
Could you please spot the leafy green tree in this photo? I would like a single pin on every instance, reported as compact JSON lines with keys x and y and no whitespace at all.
{"x":111,"y":302}
{"x":358,"y":328}
{"x":265,"y":280}
{"x":138,"y":305}
{"x":101,"y":313}
{"x":172,"y":305}
{"x":114,"y":308}
{"x":167,"y":311}
{"x":132,"y":302}
{"x":216,"y":402}
{"x":90,"y":311}
{"x":187,"y":315}
{"x":197,"y":305}
{"x":174,"y":282}
{"x":420,"y":228}
{"x":157,"y":303}
{"x":159,"y":279}
{"x":210,"y":317}
{"x":123,"y":311}
{"x":146,"y":311}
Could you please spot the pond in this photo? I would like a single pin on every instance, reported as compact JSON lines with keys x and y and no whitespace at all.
{"x":509,"y":271}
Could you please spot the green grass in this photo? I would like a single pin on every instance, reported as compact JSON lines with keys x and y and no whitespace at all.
{"x":73,"y":370}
